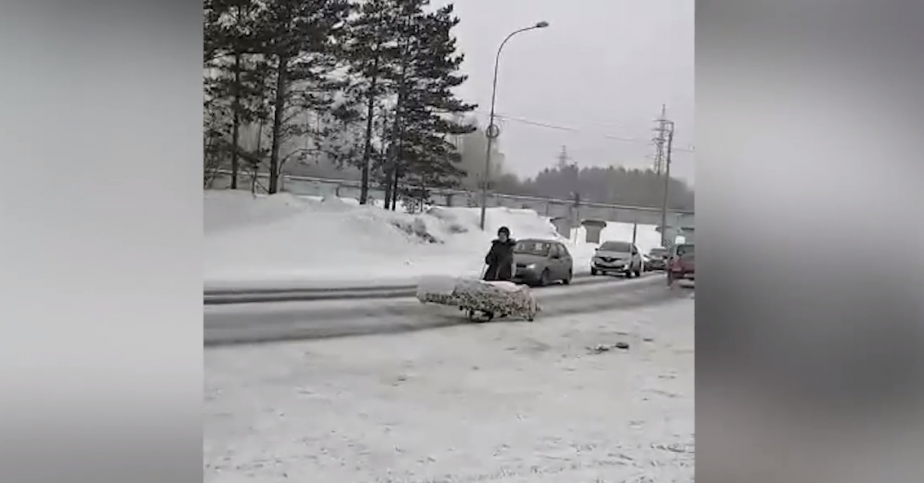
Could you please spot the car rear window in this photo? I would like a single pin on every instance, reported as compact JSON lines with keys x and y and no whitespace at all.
{"x":612,"y":246}
{"x":658,"y":252}
{"x":533,"y":247}
{"x":684,"y":250}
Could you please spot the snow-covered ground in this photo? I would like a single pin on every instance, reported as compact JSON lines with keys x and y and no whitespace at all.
{"x":500,"y":402}
{"x":288,"y":241}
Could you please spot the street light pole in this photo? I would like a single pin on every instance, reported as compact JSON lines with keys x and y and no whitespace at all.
{"x":492,"y":131}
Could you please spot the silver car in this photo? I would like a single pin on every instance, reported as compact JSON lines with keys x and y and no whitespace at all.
{"x":541,"y":262}
{"x":617,"y":257}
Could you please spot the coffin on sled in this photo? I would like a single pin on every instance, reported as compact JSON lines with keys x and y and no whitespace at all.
{"x":479,"y":297}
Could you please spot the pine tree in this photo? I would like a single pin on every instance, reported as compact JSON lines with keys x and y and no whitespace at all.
{"x":300,"y":39}
{"x":371,"y":54}
{"x":234,"y":81}
{"x":427,"y":109}
{"x":369,"y":84}
{"x":215,"y":113}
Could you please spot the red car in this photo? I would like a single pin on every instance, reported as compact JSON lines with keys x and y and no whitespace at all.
{"x":681,"y":263}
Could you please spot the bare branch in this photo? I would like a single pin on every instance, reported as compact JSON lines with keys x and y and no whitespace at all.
{"x":299,"y":151}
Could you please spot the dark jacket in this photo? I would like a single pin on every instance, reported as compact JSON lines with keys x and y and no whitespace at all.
{"x":500,"y":261}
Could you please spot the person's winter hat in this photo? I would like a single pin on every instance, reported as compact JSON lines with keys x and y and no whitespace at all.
{"x":504,"y":230}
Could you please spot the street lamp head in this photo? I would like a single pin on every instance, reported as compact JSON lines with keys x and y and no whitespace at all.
{"x":541,"y":25}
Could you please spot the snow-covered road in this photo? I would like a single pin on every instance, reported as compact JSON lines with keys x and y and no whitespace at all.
{"x":500,"y":402}
{"x":267,"y":322}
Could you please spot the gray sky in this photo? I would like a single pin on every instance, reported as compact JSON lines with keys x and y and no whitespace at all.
{"x":604,"y":69}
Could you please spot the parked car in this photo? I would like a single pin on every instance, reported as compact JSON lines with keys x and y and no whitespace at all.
{"x":657,"y":259}
{"x":681,"y":263}
{"x":541,"y":262}
{"x":617,"y":257}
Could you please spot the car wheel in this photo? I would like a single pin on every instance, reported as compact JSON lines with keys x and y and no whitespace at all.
{"x":567,"y":280}
{"x":593,"y":272}
{"x":544,"y":278}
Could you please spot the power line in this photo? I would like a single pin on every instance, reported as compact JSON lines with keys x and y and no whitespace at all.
{"x":560,"y":127}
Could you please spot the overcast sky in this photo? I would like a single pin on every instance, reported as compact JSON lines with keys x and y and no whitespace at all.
{"x":604,"y":69}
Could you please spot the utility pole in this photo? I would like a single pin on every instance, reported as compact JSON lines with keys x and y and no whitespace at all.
{"x":663,"y":142}
{"x":660,"y":140}
{"x":667,"y":183}
{"x":563,"y":158}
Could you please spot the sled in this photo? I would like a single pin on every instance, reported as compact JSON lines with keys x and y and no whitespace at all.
{"x":480,"y":300}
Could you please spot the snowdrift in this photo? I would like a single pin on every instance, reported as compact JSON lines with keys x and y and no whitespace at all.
{"x":286,"y":241}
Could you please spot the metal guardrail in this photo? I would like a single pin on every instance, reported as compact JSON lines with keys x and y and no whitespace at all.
{"x":295,"y":295}
{"x":456,"y":192}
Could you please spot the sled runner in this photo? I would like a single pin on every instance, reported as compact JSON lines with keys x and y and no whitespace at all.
{"x":479,"y":299}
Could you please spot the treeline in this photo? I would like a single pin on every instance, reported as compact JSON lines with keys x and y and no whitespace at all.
{"x":362,"y":84}
{"x":616,"y":185}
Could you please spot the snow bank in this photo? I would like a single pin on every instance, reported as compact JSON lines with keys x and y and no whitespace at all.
{"x":289,"y":241}
{"x":522,"y":223}
{"x":230,"y":209}
{"x":286,"y":241}
{"x":646,"y":236}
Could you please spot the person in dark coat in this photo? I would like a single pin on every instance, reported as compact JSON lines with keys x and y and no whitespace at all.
{"x":500,"y":258}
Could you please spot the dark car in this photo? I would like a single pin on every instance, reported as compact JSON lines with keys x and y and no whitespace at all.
{"x":541,"y":262}
{"x":657,"y":259}
{"x":681,"y":263}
